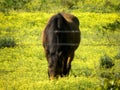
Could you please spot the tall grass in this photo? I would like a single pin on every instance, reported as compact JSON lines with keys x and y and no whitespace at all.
{"x":60,"y":5}
{"x":25,"y":66}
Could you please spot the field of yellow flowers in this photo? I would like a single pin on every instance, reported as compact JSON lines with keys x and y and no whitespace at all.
{"x":23,"y":65}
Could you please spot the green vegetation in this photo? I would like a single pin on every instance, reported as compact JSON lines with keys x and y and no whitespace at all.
{"x":58,"y":5}
{"x":23,"y":65}
{"x":7,"y":42}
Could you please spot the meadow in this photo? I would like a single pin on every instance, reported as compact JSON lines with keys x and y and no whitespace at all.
{"x":23,"y":65}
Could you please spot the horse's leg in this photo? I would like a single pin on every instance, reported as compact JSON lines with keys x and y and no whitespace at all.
{"x":69,"y":60}
{"x":64,"y":71}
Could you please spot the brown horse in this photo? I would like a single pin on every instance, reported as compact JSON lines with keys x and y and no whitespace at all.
{"x":61,"y":37}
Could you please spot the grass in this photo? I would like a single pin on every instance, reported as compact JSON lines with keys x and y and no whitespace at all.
{"x":24,"y":67}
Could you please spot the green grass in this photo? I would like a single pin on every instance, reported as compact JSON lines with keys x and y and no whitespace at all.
{"x":24,"y":66}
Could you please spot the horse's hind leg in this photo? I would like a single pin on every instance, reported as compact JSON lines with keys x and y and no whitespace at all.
{"x":69,"y":60}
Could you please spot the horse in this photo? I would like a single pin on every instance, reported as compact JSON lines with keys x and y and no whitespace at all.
{"x":61,"y":38}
